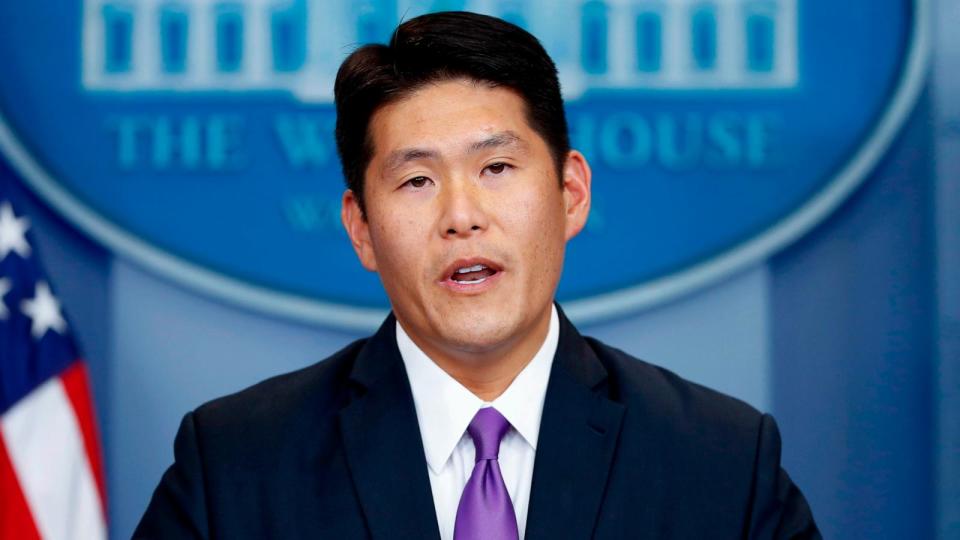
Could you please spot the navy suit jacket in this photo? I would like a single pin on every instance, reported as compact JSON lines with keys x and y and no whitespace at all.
{"x":626,"y":450}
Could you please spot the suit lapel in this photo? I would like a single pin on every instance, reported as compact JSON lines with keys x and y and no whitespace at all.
{"x":578,"y":435}
{"x":382,"y":443}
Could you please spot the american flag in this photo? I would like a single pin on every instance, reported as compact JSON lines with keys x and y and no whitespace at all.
{"x":51,"y":470}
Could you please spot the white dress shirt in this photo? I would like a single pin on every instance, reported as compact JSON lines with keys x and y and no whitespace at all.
{"x":444,"y":410}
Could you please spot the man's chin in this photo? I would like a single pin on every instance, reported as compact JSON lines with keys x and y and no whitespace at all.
{"x":477,"y":335}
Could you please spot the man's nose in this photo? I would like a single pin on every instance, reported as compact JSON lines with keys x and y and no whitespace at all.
{"x":463,"y":212}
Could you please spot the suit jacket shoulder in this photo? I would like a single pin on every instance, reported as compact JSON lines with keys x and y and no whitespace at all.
{"x":714,"y":458}
{"x":265,"y":462}
{"x":675,"y":406}
{"x":277,"y":407}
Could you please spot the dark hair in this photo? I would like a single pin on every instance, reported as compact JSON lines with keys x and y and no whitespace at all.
{"x":437,"y":47}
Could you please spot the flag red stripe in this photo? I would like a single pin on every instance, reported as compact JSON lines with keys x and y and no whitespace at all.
{"x":16,"y":521}
{"x":76,"y":384}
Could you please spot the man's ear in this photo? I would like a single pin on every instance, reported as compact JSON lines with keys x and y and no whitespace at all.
{"x":358,"y":230}
{"x":576,"y":192}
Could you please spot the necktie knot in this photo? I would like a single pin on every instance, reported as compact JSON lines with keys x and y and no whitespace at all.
{"x":487,"y":430}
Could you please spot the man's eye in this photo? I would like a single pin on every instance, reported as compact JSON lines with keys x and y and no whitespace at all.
{"x":497,"y":168}
{"x":417,"y":182}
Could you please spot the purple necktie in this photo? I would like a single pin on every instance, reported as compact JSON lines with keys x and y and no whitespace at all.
{"x":485,"y":511}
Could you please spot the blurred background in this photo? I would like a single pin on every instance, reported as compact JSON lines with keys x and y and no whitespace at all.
{"x":777,"y":214}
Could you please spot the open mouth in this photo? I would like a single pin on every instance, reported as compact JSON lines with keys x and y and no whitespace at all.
{"x":471,"y":275}
{"x":465,"y":274}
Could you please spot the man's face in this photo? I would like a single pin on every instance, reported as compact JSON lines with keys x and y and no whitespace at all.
{"x":466,"y":216}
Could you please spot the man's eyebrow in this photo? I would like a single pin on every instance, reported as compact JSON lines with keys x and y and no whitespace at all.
{"x":498,"y":140}
{"x":406,"y":155}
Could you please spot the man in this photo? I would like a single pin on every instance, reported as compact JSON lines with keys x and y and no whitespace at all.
{"x":476,"y":411}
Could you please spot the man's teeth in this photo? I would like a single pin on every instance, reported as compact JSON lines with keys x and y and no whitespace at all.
{"x":480,"y":273}
{"x":475,"y":268}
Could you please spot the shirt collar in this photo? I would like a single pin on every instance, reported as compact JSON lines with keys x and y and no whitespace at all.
{"x":445,"y":407}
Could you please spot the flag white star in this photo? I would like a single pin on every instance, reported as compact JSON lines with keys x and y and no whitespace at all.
{"x":44,"y":310}
{"x":13,"y":232}
{"x":5,"y":286}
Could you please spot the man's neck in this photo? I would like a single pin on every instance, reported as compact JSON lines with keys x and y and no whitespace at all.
{"x":488,"y":373}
